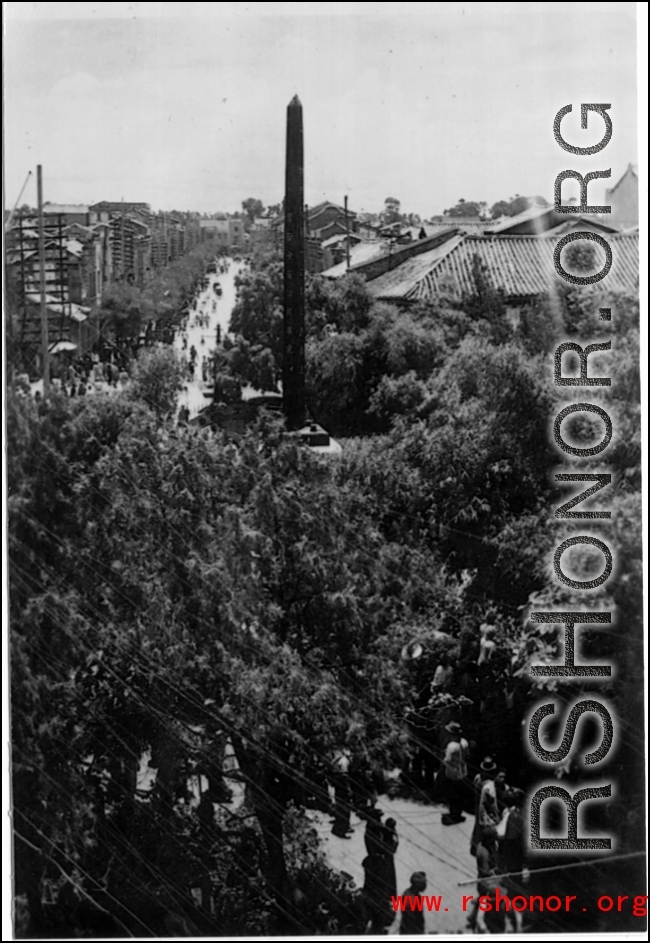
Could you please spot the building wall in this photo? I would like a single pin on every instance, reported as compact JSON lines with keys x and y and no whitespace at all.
{"x":624,"y":200}
{"x":68,"y":218}
{"x":228,"y":233}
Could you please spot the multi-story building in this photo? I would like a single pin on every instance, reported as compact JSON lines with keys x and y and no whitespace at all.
{"x":102,"y":212}
{"x":323,"y":221}
{"x":228,"y":232}
{"x":66,"y":289}
{"x":68,"y":212}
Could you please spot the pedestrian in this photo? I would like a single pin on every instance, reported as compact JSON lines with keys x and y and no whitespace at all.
{"x":454,"y":771}
{"x":442,"y":676}
{"x":512,"y":852}
{"x":487,"y":770}
{"x":502,"y":790}
{"x":489,"y":814}
{"x":487,"y":865}
{"x":412,"y":922}
{"x":342,"y":797}
{"x":391,"y":843}
{"x":487,"y":632}
{"x":377,"y":895}
{"x":373,"y":837}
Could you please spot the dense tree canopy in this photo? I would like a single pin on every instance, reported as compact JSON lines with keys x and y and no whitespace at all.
{"x":252,"y":208}
{"x":466,"y":208}
{"x":172,"y":589}
{"x":511,"y":207}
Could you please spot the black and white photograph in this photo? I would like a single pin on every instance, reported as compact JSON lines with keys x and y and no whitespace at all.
{"x":323,"y":565}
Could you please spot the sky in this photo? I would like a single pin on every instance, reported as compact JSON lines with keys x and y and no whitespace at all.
{"x":183,"y":105}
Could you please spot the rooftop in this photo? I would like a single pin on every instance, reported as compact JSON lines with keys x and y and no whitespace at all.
{"x":360,"y":254}
{"x":66,"y":208}
{"x":520,"y":266}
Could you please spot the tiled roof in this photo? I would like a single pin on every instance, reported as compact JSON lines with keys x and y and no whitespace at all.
{"x":536,"y":211}
{"x":340,"y":237}
{"x":469,"y":225}
{"x":399,"y":281}
{"x":359,"y":255}
{"x":521,"y":266}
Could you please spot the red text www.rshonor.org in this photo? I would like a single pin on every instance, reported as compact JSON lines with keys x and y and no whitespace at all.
{"x":636,"y":905}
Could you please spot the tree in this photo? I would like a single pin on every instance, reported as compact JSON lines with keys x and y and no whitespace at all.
{"x":465,"y":208}
{"x":185,"y":570}
{"x":124,"y":310}
{"x":156,"y":379}
{"x":515,"y":205}
{"x":580,"y":257}
{"x":257,"y":321}
{"x":391,"y":212}
{"x":252,"y":208}
{"x":487,"y":303}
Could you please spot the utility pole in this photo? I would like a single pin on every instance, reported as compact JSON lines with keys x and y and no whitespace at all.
{"x":123,"y":245}
{"x":347,"y":233}
{"x":41,"y":262}
{"x":293,"y":372}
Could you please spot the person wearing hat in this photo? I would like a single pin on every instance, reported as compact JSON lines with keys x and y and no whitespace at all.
{"x":487,"y":770}
{"x":454,"y":766}
{"x":411,"y":651}
{"x":489,"y":811}
{"x":412,"y":921}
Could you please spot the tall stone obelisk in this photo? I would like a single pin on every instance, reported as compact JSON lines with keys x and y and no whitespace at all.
{"x":293,"y":372}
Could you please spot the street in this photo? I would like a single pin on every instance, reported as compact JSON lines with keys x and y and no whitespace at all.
{"x":216,"y":310}
{"x":425,"y":844}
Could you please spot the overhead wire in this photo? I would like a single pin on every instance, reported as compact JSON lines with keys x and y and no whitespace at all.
{"x":347,"y":692}
{"x":293,"y":771}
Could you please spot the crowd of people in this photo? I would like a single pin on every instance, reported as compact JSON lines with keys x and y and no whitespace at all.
{"x":496,"y":843}
{"x":444,"y":768}
{"x":107,"y":364}
{"x":102,"y":369}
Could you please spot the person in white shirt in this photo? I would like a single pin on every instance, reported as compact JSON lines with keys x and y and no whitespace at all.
{"x":454,"y":767}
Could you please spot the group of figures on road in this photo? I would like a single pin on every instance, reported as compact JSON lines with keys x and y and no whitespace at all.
{"x":438,"y":770}
{"x":497,"y":839}
{"x":106,"y":366}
